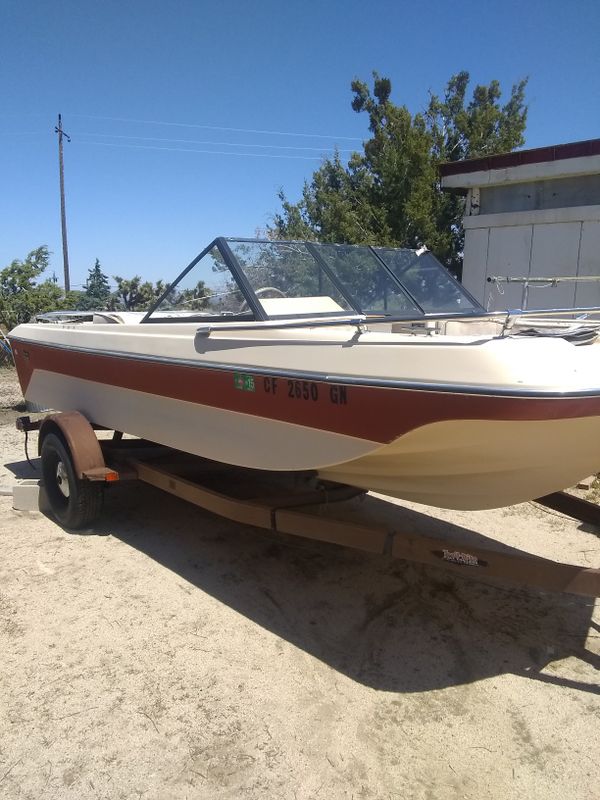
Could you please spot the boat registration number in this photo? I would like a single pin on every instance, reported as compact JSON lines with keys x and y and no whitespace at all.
{"x":306,"y":390}
{"x":294,"y":389}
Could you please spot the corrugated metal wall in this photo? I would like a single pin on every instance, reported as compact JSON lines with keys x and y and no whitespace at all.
{"x":557,"y":248}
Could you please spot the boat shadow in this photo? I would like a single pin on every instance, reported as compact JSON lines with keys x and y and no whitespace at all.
{"x":385,"y":623}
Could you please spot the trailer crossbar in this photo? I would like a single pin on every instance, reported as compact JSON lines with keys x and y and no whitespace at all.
{"x":313,"y":514}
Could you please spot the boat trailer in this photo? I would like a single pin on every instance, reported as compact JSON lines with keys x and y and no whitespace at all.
{"x":77,"y":465}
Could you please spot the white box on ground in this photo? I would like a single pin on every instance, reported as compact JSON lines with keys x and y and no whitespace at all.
{"x":27,"y":495}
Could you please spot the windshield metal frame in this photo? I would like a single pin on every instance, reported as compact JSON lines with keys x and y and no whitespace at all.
{"x":260,"y":315}
{"x":243,"y":285}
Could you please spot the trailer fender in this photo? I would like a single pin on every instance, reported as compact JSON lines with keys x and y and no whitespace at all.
{"x":79,"y":436}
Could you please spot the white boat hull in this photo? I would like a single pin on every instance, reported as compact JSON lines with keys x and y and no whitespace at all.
{"x":355,"y":417}
{"x":474,"y":464}
{"x":201,"y":430}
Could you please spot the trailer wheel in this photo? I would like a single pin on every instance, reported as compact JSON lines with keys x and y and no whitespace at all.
{"x":75,"y":503}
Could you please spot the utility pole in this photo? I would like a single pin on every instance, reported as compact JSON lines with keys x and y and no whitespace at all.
{"x":63,"y":218}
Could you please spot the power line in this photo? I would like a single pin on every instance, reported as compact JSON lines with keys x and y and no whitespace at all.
{"x":220,"y":128}
{"x":196,"y":141}
{"x":207,"y":152}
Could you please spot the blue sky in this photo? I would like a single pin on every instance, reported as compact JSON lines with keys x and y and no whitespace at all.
{"x":115,"y":70}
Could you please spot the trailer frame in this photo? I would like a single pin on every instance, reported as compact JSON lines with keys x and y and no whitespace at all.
{"x":298,"y":504}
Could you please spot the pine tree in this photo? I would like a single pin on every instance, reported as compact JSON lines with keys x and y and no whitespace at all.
{"x":390,"y":193}
{"x":96,"y":290}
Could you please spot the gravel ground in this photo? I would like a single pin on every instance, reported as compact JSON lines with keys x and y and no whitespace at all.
{"x":173,"y":654}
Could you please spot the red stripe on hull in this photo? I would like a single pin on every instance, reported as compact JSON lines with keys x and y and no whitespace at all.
{"x":374,"y":413}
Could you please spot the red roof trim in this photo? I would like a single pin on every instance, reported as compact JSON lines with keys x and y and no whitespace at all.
{"x":557,"y":152}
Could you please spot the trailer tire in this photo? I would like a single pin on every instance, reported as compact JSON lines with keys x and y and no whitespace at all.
{"x":75,"y":503}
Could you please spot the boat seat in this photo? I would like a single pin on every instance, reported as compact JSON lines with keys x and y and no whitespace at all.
{"x":275,"y":306}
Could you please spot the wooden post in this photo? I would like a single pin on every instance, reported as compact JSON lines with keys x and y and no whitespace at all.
{"x":63,"y":218}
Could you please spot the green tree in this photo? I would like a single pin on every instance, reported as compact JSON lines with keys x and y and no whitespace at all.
{"x":134,"y":294}
{"x":390,"y":193}
{"x":194,"y":299}
{"x":96,"y":294}
{"x":74,"y":299}
{"x":21,"y":295}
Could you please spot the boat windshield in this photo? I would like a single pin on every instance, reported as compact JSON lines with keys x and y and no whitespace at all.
{"x":257,"y":279}
{"x":432,"y":286}
{"x":206,"y":288}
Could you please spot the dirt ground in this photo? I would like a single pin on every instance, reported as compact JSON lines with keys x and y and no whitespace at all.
{"x":172,"y":654}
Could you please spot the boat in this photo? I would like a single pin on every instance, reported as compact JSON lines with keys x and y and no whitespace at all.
{"x":369,"y":366}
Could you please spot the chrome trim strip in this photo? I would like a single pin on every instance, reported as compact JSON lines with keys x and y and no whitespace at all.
{"x":283,"y":324}
{"x":347,"y":380}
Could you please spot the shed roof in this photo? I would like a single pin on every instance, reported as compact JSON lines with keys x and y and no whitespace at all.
{"x":558,"y":152}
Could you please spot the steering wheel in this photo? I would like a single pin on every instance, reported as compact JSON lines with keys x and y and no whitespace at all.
{"x":259,"y":292}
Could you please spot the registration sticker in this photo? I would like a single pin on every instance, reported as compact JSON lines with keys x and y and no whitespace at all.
{"x":245,"y":383}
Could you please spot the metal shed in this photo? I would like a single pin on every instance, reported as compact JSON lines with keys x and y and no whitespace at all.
{"x":531,"y":214}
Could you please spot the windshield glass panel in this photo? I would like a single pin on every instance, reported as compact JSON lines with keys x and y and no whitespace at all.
{"x":208,"y":289}
{"x":295,"y":279}
{"x":287,"y":279}
{"x":427,"y":280}
{"x":367,"y":280}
